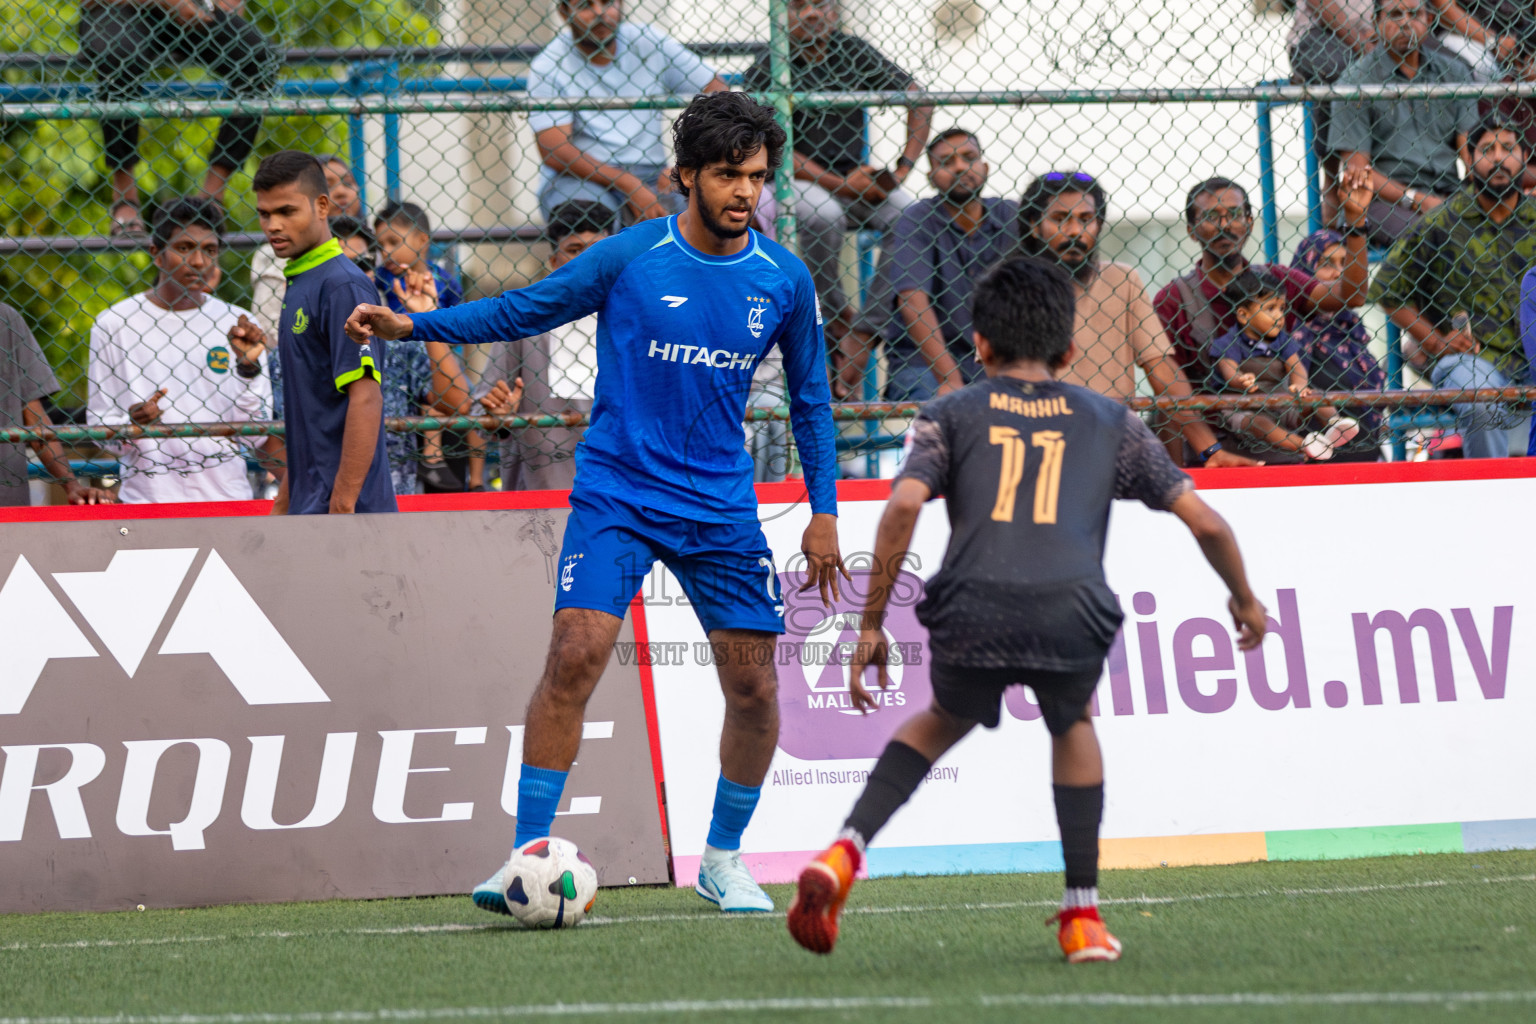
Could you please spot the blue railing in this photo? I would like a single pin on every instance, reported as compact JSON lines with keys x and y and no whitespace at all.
{"x":1401,"y":422}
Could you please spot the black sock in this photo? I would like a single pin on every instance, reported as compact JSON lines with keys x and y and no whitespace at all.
{"x":1079,"y":809}
{"x":896,"y":775}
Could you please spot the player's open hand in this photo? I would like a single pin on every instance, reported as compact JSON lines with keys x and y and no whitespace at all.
{"x":503,"y":400}
{"x":148,"y":411}
{"x":823,"y":560}
{"x":369,"y":321}
{"x":1250,"y":618}
{"x":871,"y":651}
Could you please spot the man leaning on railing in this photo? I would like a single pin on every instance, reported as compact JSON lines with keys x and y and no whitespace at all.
{"x":1453,"y":285}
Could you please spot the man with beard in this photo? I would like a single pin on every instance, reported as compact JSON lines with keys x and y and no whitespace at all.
{"x":613,"y":157}
{"x":687,"y":308}
{"x":934,"y":255}
{"x":1060,"y":217}
{"x":1453,"y":285}
{"x":1219,"y":219}
{"x":835,"y":187}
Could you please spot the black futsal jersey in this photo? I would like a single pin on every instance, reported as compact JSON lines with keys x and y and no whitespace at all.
{"x":1028,"y":470}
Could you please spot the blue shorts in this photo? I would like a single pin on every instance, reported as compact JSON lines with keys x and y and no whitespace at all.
{"x":726,"y":569}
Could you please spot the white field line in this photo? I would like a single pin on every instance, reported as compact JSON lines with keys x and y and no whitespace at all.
{"x":831,"y":1004}
{"x":600,"y":921}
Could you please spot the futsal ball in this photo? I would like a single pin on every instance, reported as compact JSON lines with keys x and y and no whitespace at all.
{"x":549,"y":884}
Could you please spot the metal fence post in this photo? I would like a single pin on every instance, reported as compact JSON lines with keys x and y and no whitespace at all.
{"x":391,"y":90}
{"x":781,"y":96}
{"x":357,"y":144}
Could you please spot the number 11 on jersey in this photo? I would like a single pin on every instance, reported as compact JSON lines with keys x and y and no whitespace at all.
{"x":1047,"y":476}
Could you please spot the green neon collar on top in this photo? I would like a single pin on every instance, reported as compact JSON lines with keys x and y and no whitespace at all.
{"x":327,"y":250}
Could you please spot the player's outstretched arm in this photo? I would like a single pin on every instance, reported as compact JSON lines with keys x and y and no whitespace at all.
{"x":369,"y":321}
{"x":893,"y":539}
{"x":1220,"y":548}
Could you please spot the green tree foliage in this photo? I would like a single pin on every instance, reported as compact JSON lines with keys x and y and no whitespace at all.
{"x":53,"y":178}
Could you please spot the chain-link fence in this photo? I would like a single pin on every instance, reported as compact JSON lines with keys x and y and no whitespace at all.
{"x":1369,"y":157}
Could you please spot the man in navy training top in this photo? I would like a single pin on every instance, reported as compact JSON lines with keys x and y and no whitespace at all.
{"x":1028,"y":467}
{"x":687,"y":306}
{"x":333,"y":406}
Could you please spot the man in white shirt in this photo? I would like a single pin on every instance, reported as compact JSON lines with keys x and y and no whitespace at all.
{"x":614,"y":157}
{"x":176,"y":354}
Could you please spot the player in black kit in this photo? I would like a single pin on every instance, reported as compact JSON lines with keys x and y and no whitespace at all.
{"x":1028,"y":467}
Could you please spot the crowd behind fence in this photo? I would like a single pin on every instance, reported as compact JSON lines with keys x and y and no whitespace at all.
{"x":1379,"y":152}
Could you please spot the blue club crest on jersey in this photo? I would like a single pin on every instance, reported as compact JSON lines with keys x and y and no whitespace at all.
{"x":218,"y":359}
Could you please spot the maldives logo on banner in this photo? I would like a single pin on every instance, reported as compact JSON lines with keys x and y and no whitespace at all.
{"x":818,"y":719}
{"x":125,"y":605}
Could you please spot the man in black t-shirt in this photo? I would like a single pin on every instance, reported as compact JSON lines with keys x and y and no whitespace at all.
{"x":836,"y":189}
{"x":1028,"y":467}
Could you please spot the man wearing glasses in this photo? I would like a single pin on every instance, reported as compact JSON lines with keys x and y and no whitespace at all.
{"x":1219,"y":219}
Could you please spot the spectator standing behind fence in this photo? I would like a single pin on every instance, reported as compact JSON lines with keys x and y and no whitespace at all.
{"x":613,"y":157}
{"x":549,"y":374}
{"x":125,"y":40}
{"x":404,"y":232}
{"x":1453,"y":285}
{"x":1336,"y":348}
{"x":173,"y":354}
{"x":1061,"y":215}
{"x":25,"y":380}
{"x":267,"y":280}
{"x":1259,"y":356}
{"x":333,"y":405}
{"x":416,"y":379}
{"x":1410,"y":146}
{"x":1219,"y":219}
{"x":933,"y":256}
{"x":836,"y":189}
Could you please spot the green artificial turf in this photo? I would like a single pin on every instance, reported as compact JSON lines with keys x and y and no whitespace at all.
{"x":1308,"y":937}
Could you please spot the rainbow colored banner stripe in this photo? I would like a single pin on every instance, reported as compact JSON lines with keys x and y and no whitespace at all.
{"x":1160,"y":851}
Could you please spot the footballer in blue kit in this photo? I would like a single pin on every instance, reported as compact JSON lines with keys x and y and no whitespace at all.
{"x":687,"y":307}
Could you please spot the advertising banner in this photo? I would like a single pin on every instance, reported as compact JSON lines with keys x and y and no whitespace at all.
{"x":1390,"y":710}
{"x":217,"y":710}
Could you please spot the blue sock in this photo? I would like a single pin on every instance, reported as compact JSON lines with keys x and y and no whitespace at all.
{"x":734,"y":805}
{"x":538,"y":797}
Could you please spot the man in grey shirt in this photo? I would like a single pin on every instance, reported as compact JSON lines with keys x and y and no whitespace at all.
{"x":921,"y":302}
{"x":25,"y":380}
{"x":1411,"y":145}
{"x":614,"y":157}
{"x":548,"y":374}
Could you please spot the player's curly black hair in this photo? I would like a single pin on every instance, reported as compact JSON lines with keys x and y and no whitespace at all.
{"x":1025,"y":309}
{"x":728,"y":126}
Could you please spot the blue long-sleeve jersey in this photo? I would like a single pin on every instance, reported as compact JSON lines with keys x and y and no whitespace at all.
{"x":679,"y":333}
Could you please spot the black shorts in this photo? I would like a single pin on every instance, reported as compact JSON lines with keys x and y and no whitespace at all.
{"x":977,"y":693}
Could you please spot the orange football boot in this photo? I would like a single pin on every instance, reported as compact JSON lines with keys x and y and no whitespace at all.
{"x":1083,"y":936}
{"x":824,"y":886}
